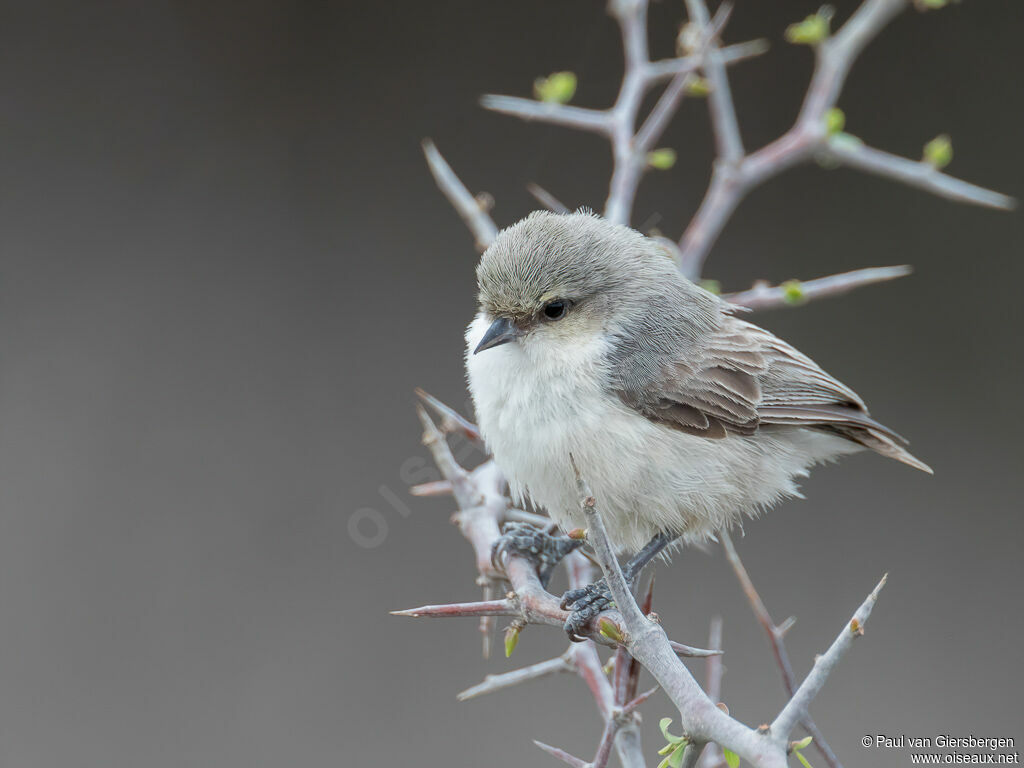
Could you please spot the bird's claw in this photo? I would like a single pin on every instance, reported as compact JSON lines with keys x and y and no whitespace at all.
{"x":535,"y":544}
{"x":584,"y":604}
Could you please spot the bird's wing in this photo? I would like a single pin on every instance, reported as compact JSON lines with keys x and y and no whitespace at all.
{"x":742,"y":378}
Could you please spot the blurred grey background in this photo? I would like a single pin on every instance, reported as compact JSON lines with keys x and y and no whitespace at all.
{"x":224,"y":267}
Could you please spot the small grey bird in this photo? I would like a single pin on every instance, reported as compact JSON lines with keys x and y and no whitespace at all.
{"x":682,"y":417}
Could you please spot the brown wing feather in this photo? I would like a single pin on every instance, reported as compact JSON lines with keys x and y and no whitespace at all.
{"x":744,"y":377}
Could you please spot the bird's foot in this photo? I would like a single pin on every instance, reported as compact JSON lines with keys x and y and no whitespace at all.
{"x":535,"y":544}
{"x":584,"y":604}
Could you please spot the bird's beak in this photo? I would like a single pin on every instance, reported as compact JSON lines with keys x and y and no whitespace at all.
{"x":501,"y":332}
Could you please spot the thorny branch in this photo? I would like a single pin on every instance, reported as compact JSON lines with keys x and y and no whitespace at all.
{"x":776,"y":638}
{"x":637,"y":637}
{"x":472,"y":210}
{"x":701,"y":719}
{"x":764,"y":296}
{"x":796,"y":709}
{"x":483,"y":506}
{"x":630,"y":144}
{"x":735,"y":175}
{"x":712,"y":753}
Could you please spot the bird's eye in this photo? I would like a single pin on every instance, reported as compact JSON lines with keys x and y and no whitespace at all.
{"x":555,"y":310}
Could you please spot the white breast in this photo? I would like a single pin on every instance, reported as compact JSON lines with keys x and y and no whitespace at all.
{"x":537,"y":405}
{"x":534,"y":412}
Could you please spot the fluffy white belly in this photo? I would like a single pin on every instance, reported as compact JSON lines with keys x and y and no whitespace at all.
{"x":535,"y":409}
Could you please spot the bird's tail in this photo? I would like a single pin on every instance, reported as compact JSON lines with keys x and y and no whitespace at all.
{"x":853,"y":424}
{"x":885,"y":445}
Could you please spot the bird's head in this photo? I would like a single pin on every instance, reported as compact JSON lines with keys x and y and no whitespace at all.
{"x":556,"y":279}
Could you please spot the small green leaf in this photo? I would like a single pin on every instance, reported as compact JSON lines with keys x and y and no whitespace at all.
{"x":803,"y":760}
{"x":556,"y":88}
{"x":675,"y":755}
{"x":731,"y":758}
{"x":675,"y":747}
{"x":609,"y":630}
{"x":798,"y":745}
{"x":663,"y":724}
{"x":930,"y":5}
{"x":835,"y":121}
{"x":712,"y":286}
{"x":939,"y":151}
{"x":812,"y":30}
{"x":698,"y":87}
{"x":793,"y":291}
{"x":511,"y":640}
{"x":662,"y":159}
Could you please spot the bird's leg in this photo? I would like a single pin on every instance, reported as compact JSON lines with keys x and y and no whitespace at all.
{"x":651,"y":550}
{"x":542,"y":548}
{"x":586,"y":602}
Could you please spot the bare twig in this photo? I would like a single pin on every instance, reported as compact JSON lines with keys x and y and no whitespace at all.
{"x":482,"y":509}
{"x":588,"y":664}
{"x":796,"y":709}
{"x":809,"y":137}
{"x":546,"y":199}
{"x":712,"y":753}
{"x":452,"y":610}
{"x":912,"y":172}
{"x":467,"y":492}
{"x":451,"y":420}
{"x":621,"y":728}
{"x":535,"y":606}
{"x":482,"y":505}
{"x":723,"y":113}
{"x":664,"y":69}
{"x":582,"y":119}
{"x":436,"y":488}
{"x":776,"y":638}
{"x":631,"y":706}
{"x":765,"y":296}
{"x":468,"y":207}
{"x":689,"y":652}
{"x":701,"y":719}
{"x":630,"y":147}
{"x":706,"y":50}
{"x":715,"y":670}
{"x":618,"y":586}
{"x":775,"y":635}
{"x":562,"y":755}
{"x":633,"y":671}
{"x":604,"y":747}
{"x":694,"y":751}
{"x":619,"y":122}
{"x":480,"y":494}
{"x":493,"y":683}
{"x":647,"y":643}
